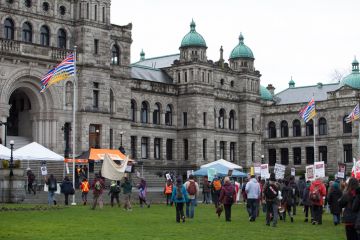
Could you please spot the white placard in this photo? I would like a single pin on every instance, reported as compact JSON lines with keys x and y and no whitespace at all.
{"x":264,"y":172}
{"x":43,"y":170}
{"x":309,"y":174}
{"x":67,"y":168}
{"x":211,"y":173}
{"x":319,"y":169}
{"x":257,"y":169}
{"x":168,"y":177}
{"x":189,"y":172}
{"x":279,"y":171}
{"x":293,"y":172}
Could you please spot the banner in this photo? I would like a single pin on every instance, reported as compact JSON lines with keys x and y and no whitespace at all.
{"x":211,"y":173}
{"x":309,"y":174}
{"x":341,"y":170}
{"x":293,"y":172}
{"x":264,"y":171}
{"x":279,"y":171}
{"x":43,"y":170}
{"x":319,"y":169}
{"x":257,"y":169}
{"x":112,"y":170}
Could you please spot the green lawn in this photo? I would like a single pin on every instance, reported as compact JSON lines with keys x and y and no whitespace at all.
{"x":157,"y":222}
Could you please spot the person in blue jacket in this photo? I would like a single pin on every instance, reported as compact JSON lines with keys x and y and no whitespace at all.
{"x":179,"y":197}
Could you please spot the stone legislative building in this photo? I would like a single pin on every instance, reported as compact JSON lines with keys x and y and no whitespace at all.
{"x":171,"y":112}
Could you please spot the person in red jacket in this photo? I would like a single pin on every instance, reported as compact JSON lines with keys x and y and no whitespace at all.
{"x":316,"y":194}
{"x":227,"y":197}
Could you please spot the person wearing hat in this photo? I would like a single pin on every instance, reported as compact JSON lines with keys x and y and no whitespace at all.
{"x":114,"y":192}
{"x":179,"y":196}
{"x":270,"y":196}
{"x":333,"y":199}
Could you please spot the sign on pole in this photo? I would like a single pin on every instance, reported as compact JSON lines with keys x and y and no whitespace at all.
{"x":211,"y":173}
{"x":319,"y":168}
{"x":279,"y":171}
{"x":265,"y":171}
{"x":341,"y":170}
{"x":293,"y":172}
{"x":257,"y":169}
{"x":43,"y":170}
{"x":310,"y":175}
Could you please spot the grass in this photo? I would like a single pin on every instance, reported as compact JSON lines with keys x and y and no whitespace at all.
{"x":27,"y":222}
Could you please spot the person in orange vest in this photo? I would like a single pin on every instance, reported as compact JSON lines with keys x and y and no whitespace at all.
{"x":168,"y":191}
{"x":85,"y":187}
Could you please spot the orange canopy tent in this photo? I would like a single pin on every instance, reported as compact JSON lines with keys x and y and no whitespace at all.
{"x":98,"y":154}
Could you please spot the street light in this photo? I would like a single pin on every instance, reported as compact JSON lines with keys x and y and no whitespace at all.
{"x":121,"y":148}
{"x":11,"y":157}
{"x":5,"y":125}
{"x":262,"y":159}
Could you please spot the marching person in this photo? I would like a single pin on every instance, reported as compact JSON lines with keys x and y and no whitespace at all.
{"x":227,"y":197}
{"x":179,"y":196}
{"x":127,"y":189}
{"x":333,"y":199}
{"x":98,"y":186}
{"x":31,"y":180}
{"x":168,"y":191}
{"x":206,"y":190}
{"x":67,"y":188}
{"x":307,"y":203}
{"x":192,"y":189}
{"x":215,"y":190}
{"x":52,"y":188}
{"x":317,"y":194}
{"x":253,"y":193}
{"x":270,"y":195}
{"x":85,"y":188}
{"x":142,"y":193}
{"x":114,"y":192}
{"x":288,"y":200}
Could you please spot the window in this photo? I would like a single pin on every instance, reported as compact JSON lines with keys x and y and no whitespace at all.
{"x":272,"y":130}
{"x":284,"y":129}
{"x":204,"y":119}
{"x":221,"y":118}
{"x":348,"y":153}
{"x":44,"y":36}
{"x":208,"y":77}
{"x":203,"y":76}
{"x":185,"y":76}
{"x":310,"y":128}
{"x":323,"y":154}
{"x":309,"y":155}
{"x":186,"y":149}
{"x":168,"y":115}
{"x":96,"y":95}
{"x":232,"y":120}
{"x":222,"y":81}
{"x":133,"y":140}
{"x":27,"y":3}
{"x":169,"y":149}
{"x":253,"y":124}
{"x":61,"y":38}
{"x":297,"y":156}
{"x":144,"y":147}
{"x":157,"y":148}
{"x":87,"y":11}
{"x":284,"y":152}
{"x":9,"y":29}
{"x":179,"y":77}
{"x":322,"y":126}
{"x":215,"y":150}
{"x":45,"y":6}
{"x":272,"y":157}
{"x":156,"y":114}
{"x":103,"y":14}
{"x":204,"y":149}
{"x":115,"y":54}
{"x":185,"y":119}
{"x":133,"y":110}
{"x":80,"y":10}
{"x":96,"y":46}
{"x":253,"y":151}
{"x":232,"y":83}
{"x":296,"y":128}
{"x":62,"y":10}
{"x":222,"y":149}
{"x":112,"y":102}
{"x":95,"y":13}
{"x":111,"y":138}
{"x":27,"y":32}
{"x":232,"y":152}
{"x":144,"y":112}
{"x":347,"y":127}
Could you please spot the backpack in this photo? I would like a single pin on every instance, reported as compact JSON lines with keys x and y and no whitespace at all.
{"x":271,"y":192}
{"x":217,"y":185}
{"x":97,"y":185}
{"x":315,"y":196}
{"x":179,"y":194}
{"x":191,"y":189}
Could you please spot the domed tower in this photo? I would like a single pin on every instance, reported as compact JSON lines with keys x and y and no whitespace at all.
{"x":241,"y":57}
{"x":353,"y":79}
{"x":193,"y":46}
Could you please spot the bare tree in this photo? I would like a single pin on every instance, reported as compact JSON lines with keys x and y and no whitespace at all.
{"x":338,"y":74}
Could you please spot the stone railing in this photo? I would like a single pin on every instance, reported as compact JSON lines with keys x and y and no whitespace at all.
{"x":9,"y":46}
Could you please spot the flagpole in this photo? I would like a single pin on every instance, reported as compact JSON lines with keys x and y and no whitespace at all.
{"x":74,"y":124}
{"x":314,"y":120}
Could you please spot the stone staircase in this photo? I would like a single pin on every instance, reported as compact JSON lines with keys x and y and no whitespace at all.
{"x":19,"y":141}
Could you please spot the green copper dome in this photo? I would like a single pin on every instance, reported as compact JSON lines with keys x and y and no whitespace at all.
{"x":241,"y":50}
{"x":193,"y":39}
{"x":291,"y":83}
{"x":353,"y":79}
{"x":265,"y":94}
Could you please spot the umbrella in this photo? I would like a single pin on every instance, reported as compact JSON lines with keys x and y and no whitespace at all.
{"x":221,"y":171}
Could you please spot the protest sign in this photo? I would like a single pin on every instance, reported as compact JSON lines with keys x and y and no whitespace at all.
{"x":211,"y":173}
{"x":257,"y":169}
{"x":279,"y":171}
{"x":341,"y":170}
{"x":319,"y":169}
{"x":264,"y":171}
{"x":293,"y":172}
{"x":309,"y":174}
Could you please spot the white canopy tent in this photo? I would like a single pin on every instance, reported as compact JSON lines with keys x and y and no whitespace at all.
{"x":35,"y":151}
{"x":4,"y":152}
{"x":223,"y":162}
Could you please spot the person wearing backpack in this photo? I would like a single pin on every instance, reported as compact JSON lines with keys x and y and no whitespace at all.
{"x":317,"y":194}
{"x":288,"y":200}
{"x":215,"y":191}
{"x":307,"y":203}
{"x":179,"y":196}
{"x":270,"y":195}
{"x":227,"y":197}
{"x":98,"y":186}
{"x":253,"y":193}
{"x":114,"y":192}
{"x":52,"y":188}
{"x":192,"y":189}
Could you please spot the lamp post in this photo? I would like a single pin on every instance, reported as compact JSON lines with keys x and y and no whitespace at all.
{"x":262,"y":159}
{"x":11,"y":157}
{"x":5,"y":125}
{"x":121,"y":148}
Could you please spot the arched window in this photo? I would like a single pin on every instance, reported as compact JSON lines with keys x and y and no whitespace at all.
{"x":156,"y":114}
{"x":272,"y":130}
{"x":310,"y":128}
{"x":296,"y":128}
{"x":221,"y":118}
{"x":112,"y":102}
{"x":44,"y":36}
{"x":69,"y":93}
{"x":9,"y":29}
{"x":27,"y":32}
{"x":284,"y":129}
{"x":133,"y":110}
{"x":115,"y":55}
{"x":347,"y":127}
{"x":168,"y":115}
{"x":144,"y":112}
{"x":61,"y":38}
{"x":322,"y":126}
{"x":232,"y":120}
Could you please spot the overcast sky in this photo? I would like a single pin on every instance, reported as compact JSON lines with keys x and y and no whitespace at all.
{"x":305,"y":39}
